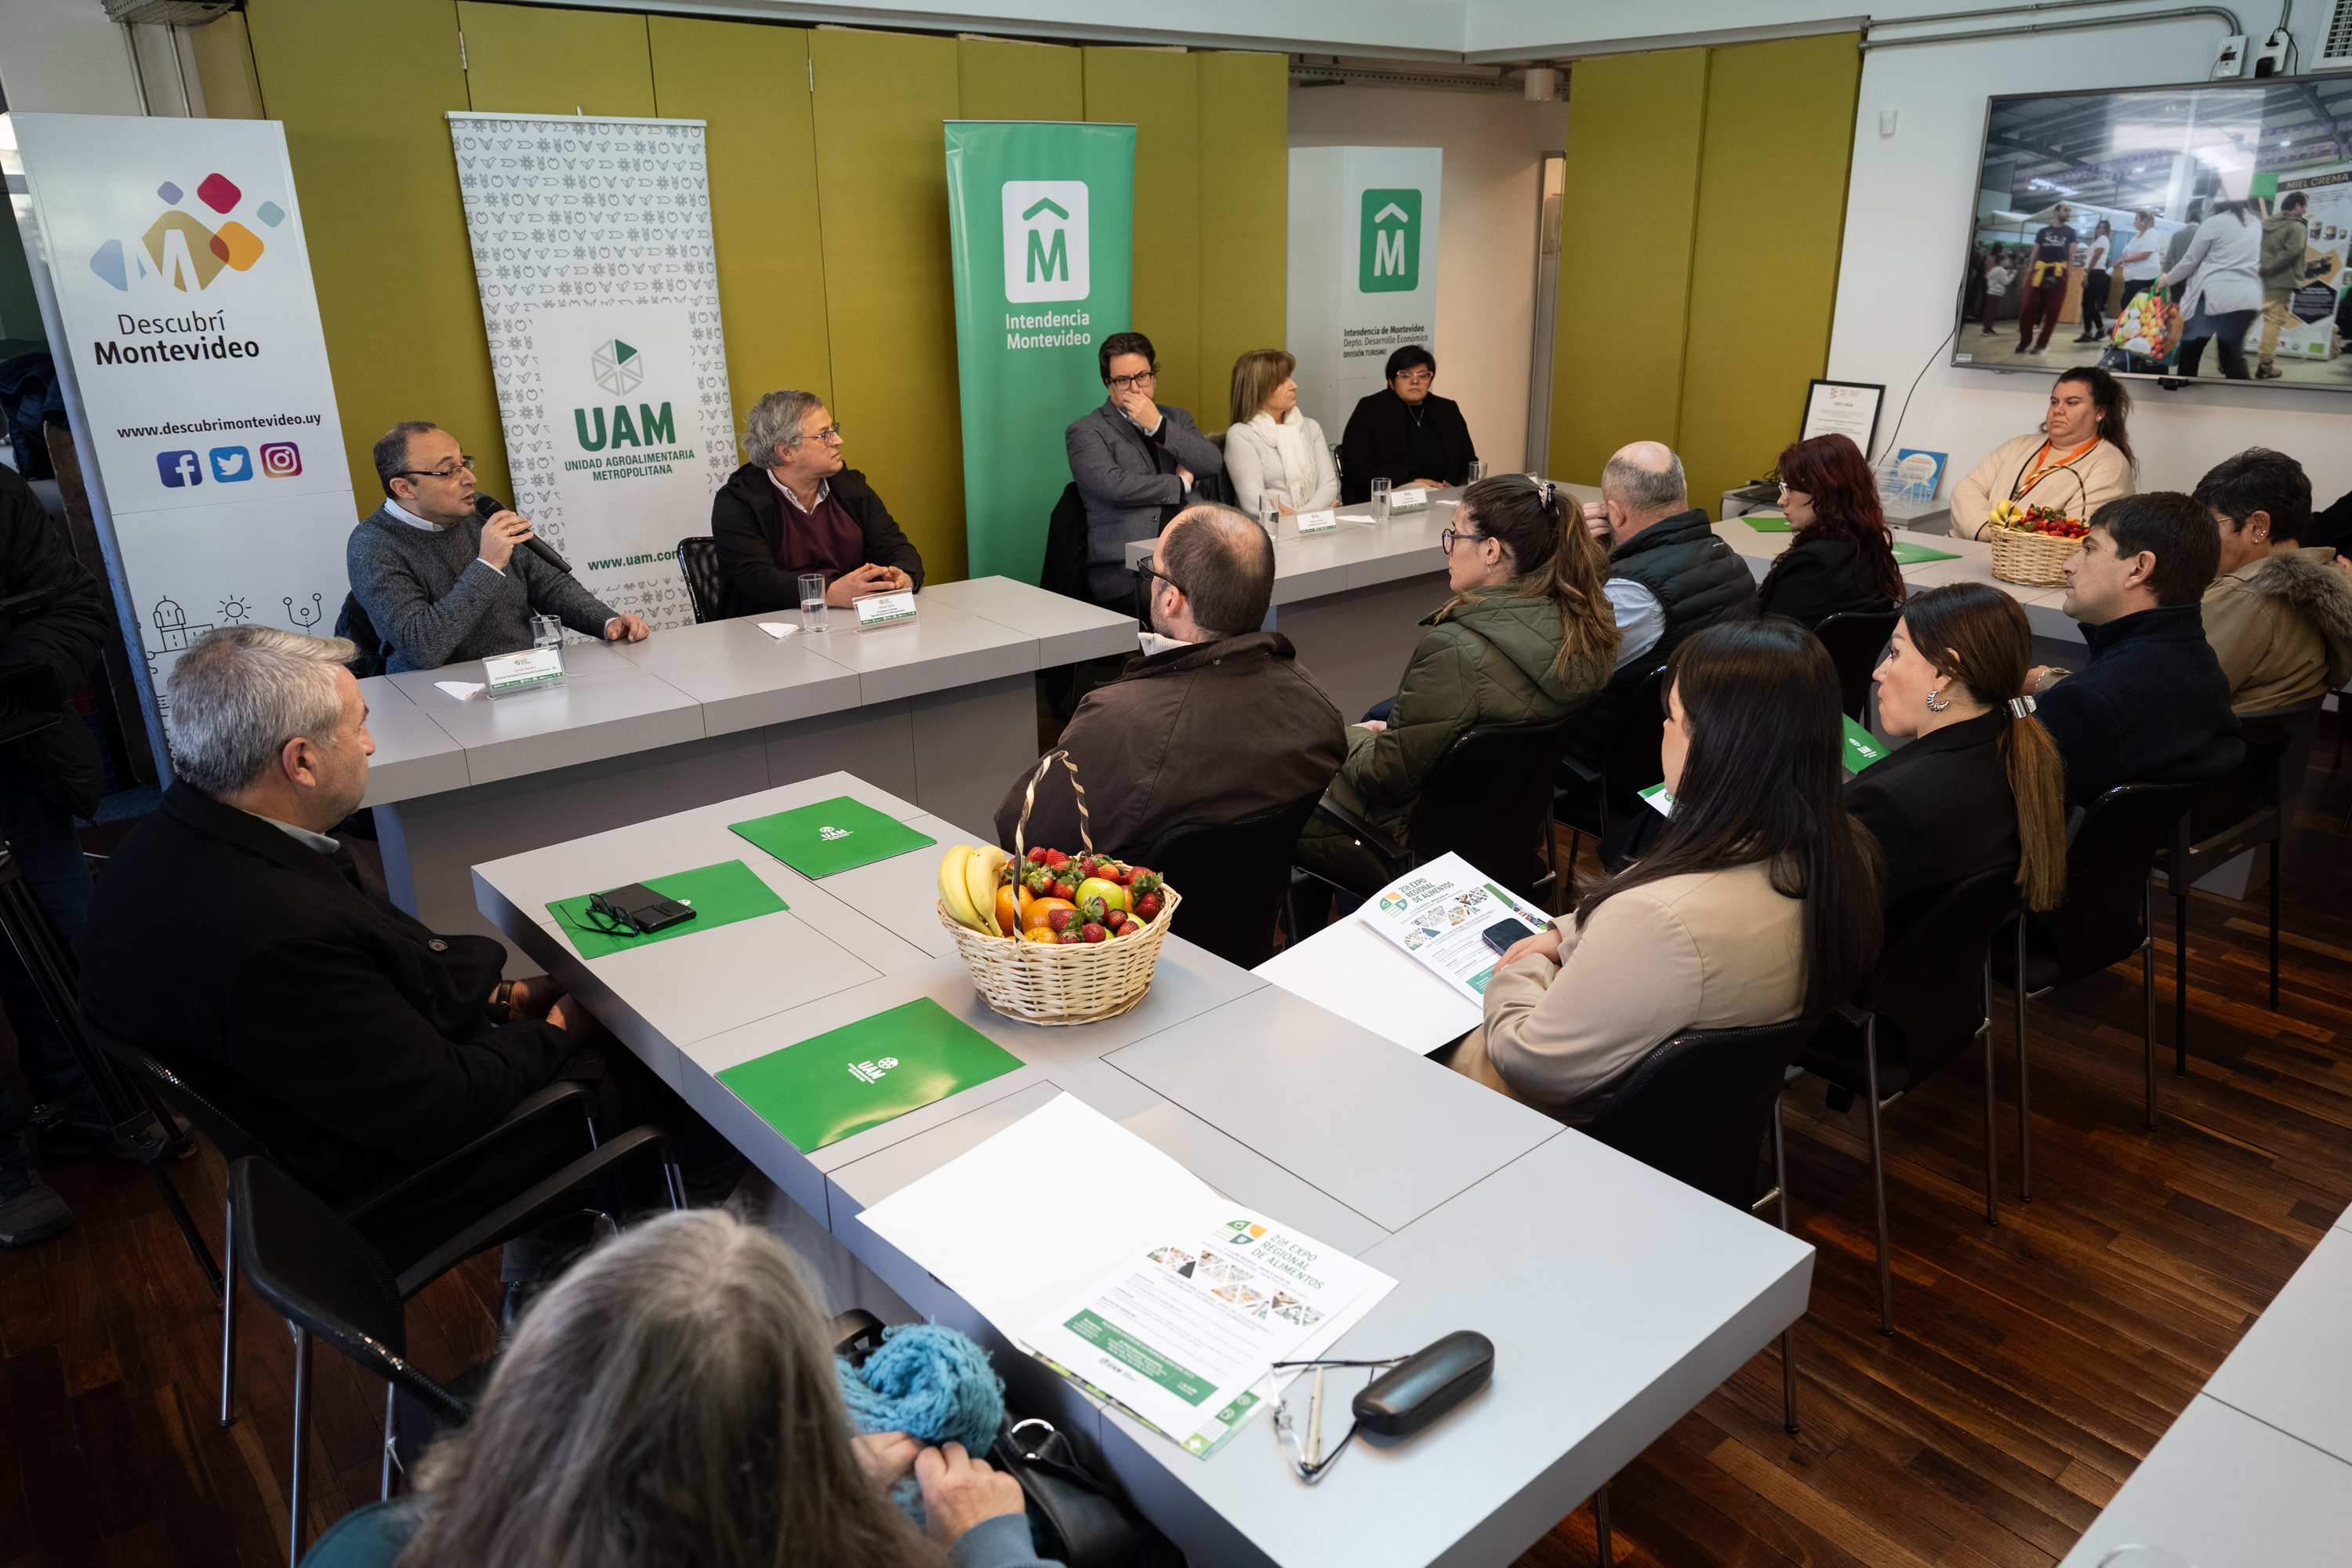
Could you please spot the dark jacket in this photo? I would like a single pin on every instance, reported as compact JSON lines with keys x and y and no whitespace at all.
{"x":352,"y":1039}
{"x":1130,"y":484}
{"x":1820,"y":578}
{"x":1380,"y":437}
{"x":2151,"y":707}
{"x":1942,"y":810}
{"x":1207,"y":733}
{"x":1699,"y":580}
{"x":2332,"y":527}
{"x":62,"y":643}
{"x":747,"y":523}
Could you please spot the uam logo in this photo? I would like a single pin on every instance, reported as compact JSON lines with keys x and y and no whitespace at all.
{"x":871,"y":1072}
{"x":616,"y":367}
{"x":830,"y":833}
{"x":1045,"y":250}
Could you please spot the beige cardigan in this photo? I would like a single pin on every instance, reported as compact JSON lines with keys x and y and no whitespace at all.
{"x":1713,"y":950}
{"x":2078,"y":489}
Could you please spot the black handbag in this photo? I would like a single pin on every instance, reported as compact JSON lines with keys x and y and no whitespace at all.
{"x":1085,"y":1519}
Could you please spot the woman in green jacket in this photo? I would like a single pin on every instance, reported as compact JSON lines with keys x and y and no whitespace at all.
{"x":1527,"y":639}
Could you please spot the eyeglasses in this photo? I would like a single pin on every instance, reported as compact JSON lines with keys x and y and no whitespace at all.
{"x":464,"y":465}
{"x":1416,"y":376}
{"x":829,"y":435}
{"x":1447,"y":537}
{"x":1144,"y":572}
{"x":1134,"y":383}
{"x":1305,"y":1454}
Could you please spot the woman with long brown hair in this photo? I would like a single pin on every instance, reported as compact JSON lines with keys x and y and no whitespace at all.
{"x":1840,"y":559}
{"x":1981,"y":786}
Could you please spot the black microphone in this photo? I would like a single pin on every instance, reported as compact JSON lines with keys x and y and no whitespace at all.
{"x":486,"y":506}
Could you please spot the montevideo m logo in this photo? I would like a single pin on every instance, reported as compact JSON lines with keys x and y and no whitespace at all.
{"x":1388,"y":240}
{"x":183,"y":250}
{"x":619,"y":369}
{"x":1046,"y":255}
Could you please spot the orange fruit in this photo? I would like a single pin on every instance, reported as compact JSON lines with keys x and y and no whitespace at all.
{"x":1033,"y":912}
{"x":1010,"y":909}
{"x":1040,"y":933}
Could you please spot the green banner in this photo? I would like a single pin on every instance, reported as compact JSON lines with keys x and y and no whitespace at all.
{"x":1040,"y":223}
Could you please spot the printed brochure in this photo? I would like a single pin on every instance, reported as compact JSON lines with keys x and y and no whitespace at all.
{"x":1440,"y":913}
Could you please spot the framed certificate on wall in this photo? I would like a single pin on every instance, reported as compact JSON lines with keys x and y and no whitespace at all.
{"x":1848,"y":408}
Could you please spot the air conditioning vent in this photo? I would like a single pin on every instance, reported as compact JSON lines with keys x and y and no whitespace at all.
{"x":2335,"y":38}
{"x":168,"y":13}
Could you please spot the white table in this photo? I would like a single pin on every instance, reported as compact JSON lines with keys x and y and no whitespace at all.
{"x":1759,"y":548}
{"x":1351,"y":970}
{"x":1617,"y":1298}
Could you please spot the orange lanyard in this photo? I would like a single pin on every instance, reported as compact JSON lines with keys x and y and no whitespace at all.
{"x":2041,"y":466}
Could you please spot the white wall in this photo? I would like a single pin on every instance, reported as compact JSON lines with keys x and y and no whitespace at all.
{"x":64,"y":56}
{"x":1493,"y":145}
{"x":1907,"y":217}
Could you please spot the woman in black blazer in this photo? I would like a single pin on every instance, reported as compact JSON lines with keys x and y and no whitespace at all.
{"x":1840,"y":559}
{"x":1980,"y":787}
{"x":1407,"y":435}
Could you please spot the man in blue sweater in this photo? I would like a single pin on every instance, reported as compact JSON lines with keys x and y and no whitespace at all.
{"x":442,"y":584}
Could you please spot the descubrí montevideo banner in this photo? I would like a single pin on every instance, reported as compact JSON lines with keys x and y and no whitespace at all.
{"x":1041,"y":224}
{"x":600,"y":299}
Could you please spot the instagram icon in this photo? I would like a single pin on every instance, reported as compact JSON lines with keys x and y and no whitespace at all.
{"x":280,"y":459}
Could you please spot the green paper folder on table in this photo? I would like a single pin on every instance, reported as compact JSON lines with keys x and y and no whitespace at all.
{"x":836,"y":835}
{"x":1909,"y":554}
{"x":1765,"y":521}
{"x":840,"y":1083}
{"x":718,"y":895}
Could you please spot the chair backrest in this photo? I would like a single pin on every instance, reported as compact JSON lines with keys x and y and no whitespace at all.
{"x":697,"y":562}
{"x":2107,"y":861}
{"x":1855,"y":640}
{"x":1232,"y":876}
{"x":1488,"y":800}
{"x":1698,"y":1106}
{"x":232,"y":1137}
{"x":1927,"y":988}
{"x":1630,"y":761}
{"x":351,"y":621}
{"x":1065,"y":568}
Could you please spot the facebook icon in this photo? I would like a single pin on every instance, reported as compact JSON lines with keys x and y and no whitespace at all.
{"x":177,"y":469}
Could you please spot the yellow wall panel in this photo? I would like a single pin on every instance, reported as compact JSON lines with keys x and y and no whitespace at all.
{"x":524,"y":59}
{"x":1634,"y":128}
{"x":882,"y":196}
{"x":751,"y":82}
{"x":1159,"y":92}
{"x":1780,"y":138}
{"x":1245,"y":217}
{"x":1001,"y":80}
{"x":224,"y":69}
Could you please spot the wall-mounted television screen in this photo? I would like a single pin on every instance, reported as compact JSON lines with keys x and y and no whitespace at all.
{"x":2172,"y":232}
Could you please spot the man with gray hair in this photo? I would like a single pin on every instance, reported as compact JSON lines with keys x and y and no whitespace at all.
{"x":235,"y":941}
{"x":795,"y":508}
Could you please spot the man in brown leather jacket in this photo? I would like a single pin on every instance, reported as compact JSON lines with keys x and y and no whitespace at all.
{"x":1220,"y":724}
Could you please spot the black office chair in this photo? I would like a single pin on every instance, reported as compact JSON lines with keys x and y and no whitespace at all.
{"x":1233,"y":877}
{"x":1927,"y":1001}
{"x":697,"y":562}
{"x":1594,"y":799}
{"x":1855,"y":640}
{"x":351,"y":622}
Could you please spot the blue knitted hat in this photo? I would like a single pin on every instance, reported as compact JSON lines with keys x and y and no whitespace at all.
{"x":930,"y":1382}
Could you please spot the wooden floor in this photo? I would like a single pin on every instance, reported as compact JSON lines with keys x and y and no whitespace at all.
{"x":2037,"y":1362}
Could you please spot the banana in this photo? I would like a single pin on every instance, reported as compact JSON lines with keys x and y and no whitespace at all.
{"x":981,"y":869}
{"x":954,"y":895}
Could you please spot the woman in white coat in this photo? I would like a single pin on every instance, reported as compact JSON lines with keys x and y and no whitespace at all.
{"x":2223,"y":269}
{"x":2078,"y":461}
{"x":1273,"y":452}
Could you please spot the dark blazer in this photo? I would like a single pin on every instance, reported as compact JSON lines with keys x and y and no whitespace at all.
{"x":63,"y":642}
{"x":747,"y":523}
{"x":1941,"y":809}
{"x":1820,"y":578}
{"x":347,"y":1035}
{"x":1379,"y":433}
{"x":1130,"y":484}
{"x":2151,"y":707}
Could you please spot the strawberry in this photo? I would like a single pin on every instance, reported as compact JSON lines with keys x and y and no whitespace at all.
{"x":1056,"y":860}
{"x":1146,"y":908}
{"x":1037,"y":854}
{"x":1094,"y":909}
{"x":1093,"y":932}
{"x":1060,"y":918}
{"x":1071,"y":935}
{"x":1066,"y":889}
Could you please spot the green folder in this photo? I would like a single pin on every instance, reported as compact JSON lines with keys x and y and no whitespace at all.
{"x":718,"y":895}
{"x":840,"y":1083}
{"x":1764,"y":522}
{"x":1860,"y":748}
{"x":1909,"y":554}
{"x":835,"y":834}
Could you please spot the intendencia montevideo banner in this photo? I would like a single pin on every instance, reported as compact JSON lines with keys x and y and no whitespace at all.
{"x":1041,"y":222}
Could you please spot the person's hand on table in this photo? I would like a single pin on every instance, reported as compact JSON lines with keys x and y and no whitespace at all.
{"x":1543,"y":944}
{"x":886,"y":1456}
{"x":1287,"y":511}
{"x":866,"y":579}
{"x":1374,"y":725}
{"x":959,"y":1491}
{"x":628,"y":628}
{"x":501,"y":533}
{"x":1421,"y":484}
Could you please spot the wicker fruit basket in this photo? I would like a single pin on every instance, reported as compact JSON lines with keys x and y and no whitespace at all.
{"x":1049,"y":983}
{"x":2035,"y":560}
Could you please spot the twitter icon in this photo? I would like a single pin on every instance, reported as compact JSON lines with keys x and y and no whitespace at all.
{"x":231,"y":464}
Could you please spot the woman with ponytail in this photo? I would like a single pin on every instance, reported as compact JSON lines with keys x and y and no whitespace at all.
{"x":1527,"y":639}
{"x":1981,"y":786}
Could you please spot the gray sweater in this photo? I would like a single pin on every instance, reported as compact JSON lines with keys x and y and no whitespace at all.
{"x":434,"y":601}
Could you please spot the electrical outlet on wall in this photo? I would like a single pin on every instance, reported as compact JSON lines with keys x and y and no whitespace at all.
{"x":2231,"y":61}
{"x":2271,"y":58}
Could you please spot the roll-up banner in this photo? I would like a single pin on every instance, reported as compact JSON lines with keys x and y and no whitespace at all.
{"x":1040,"y":223}
{"x":176,"y":290}
{"x":1362,"y":269}
{"x":600,"y":298}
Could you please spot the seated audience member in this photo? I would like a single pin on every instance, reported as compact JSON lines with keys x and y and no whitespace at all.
{"x":443,"y":584}
{"x":1980,"y":787}
{"x":1273,"y":451}
{"x":1527,"y":639}
{"x":2078,"y":461}
{"x":1669,"y":576}
{"x":673,"y":1400}
{"x":1840,"y":559}
{"x":1223,"y":725}
{"x":1407,"y":435}
{"x":2332,"y":527}
{"x":793,"y":507}
{"x":2279,"y":616}
{"x":1136,"y":463}
{"x":234,"y":941}
{"x":2152,"y":706}
{"x":1759,"y":903}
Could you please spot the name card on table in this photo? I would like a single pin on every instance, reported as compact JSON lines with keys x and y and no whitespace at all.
{"x":1322,"y":521}
{"x":883,"y":609}
{"x":1408,"y":500}
{"x":528,"y":670}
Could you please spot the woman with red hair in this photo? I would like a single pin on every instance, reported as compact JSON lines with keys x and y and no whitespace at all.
{"x":1839,"y":559}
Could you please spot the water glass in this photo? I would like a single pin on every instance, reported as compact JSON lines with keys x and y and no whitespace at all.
{"x":1478,"y":471}
{"x":1381,"y":500}
{"x":546,"y":631}
{"x":812,"y":601}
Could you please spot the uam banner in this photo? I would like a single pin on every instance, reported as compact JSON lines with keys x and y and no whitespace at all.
{"x":176,"y":290}
{"x":600,"y":298}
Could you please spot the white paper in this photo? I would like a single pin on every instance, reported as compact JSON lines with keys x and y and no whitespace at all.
{"x":777,"y":629}
{"x":460,"y":690}
{"x":1349,"y":969}
{"x":1439,"y":913}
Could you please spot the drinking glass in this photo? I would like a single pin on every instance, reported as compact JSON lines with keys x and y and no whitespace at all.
{"x":1381,"y":500}
{"x":546,"y":631}
{"x":1270,"y":517}
{"x":1478,"y":471}
{"x":812,"y":601}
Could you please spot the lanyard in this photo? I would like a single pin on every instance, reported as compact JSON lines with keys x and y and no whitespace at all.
{"x":2030,"y":477}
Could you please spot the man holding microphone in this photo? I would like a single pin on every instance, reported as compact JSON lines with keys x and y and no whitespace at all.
{"x":446,"y":575}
